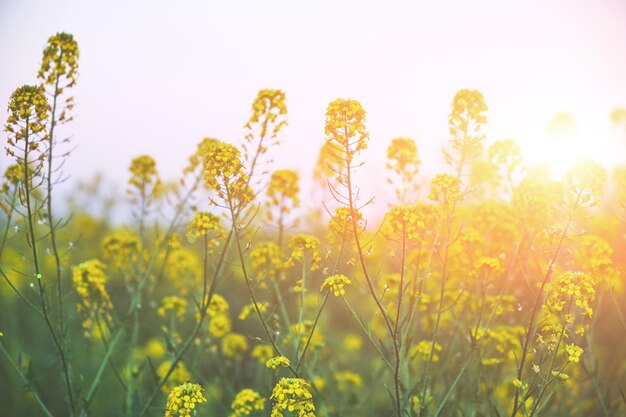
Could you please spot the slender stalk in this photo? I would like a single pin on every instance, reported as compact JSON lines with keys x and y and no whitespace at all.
{"x":308,"y":341}
{"x":355,"y":233}
{"x":52,"y":228}
{"x":40,"y":286}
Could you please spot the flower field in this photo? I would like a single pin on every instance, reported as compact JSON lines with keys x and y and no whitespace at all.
{"x":488,"y":289}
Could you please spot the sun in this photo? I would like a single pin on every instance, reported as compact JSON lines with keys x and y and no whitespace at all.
{"x":566,"y":141}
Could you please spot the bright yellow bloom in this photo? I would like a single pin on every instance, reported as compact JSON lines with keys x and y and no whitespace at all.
{"x":225,"y":174}
{"x":202,"y":223}
{"x":28,"y":111}
{"x":183,"y":399}
{"x":277,"y":362}
{"x":336,"y":283}
{"x":294,"y":395}
{"x":340,"y":228}
{"x":60,"y":58}
{"x":573,"y":353}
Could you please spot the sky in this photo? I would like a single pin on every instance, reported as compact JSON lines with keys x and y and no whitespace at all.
{"x":156,"y":76}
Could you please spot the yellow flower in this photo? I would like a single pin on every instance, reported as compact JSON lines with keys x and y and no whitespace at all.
{"x":306,"y":247}
{"x":335,"y":283}
{"x":519,"y":385}
{"x":219,"y":326}
{"x":284,"y":186}
{"x":573,"y":353}
{"x":445,"y":189}
{"x":224,"y":174}
{"x":339,"y":230}
{"x":121,"y":247}
{"x":277,"y":362}
{"x":60,"y":58}
{"x":218,"y":305}
{"x":90,"y":284}
{"x":245,"y":402}
{"x":183,"y":399}
{"x":266,"y":259}
{"x":202,"y":223}
{"x":234,"y":345}
{"x":28,"y":111}
{"x":294,"y":395}
{"x":174,"y":304}
{"x":406,"y":221}
{"x":144,"y":181}
{"x":262,"y":353}
{"x":466,"y":120}
{"x":403,"y":162}
{"x":423,"y":349}
{"x":197,"y":158}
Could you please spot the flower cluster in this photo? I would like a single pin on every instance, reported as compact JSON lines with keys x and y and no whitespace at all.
{"x":345,"y":128}
{"x":60,"y":58}
{"x":172,"y":304}
{"x":202,"y":223}
{"x":267,"y":109}
{"x":293,"y":395}
{"x":245,"y":402}
{"x":405,"y":223}
{"x":28,"y":111}
{"x":144,"y":181}
{"x":466,"y":121}
{"x":121,"y":247}
{"x":224,"y":174}
{"x":277,"y":362}
{"x":90,"y":284}
{"x":267,"y":259}
{"x":403,"y":162}
{"x":445,"y":189}
{"x":336,"y":283}
{"x":576,"y":288}
{"x":339,"y":230}
{"x":183,"y":399}
{"x":283,"y":192}
{"x":305,"y":247}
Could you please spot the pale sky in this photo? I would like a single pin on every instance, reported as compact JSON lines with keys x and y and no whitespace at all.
{"x":156,"y":77}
